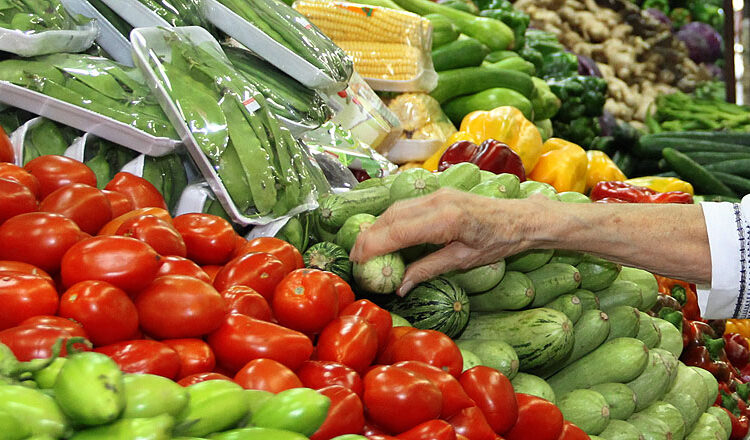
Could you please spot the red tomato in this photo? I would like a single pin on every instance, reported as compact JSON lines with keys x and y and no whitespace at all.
{"x":348,"y":340}
{"x":259,"y":271}
{"x":23,"y":296}
{"x":345,"y":415}
{"x":572,"y":432}
{"x":305,"y":300}
{"x":463,"y":437}
{"x":106,"y":313}
{"x":375,"y":315}
{"x":248,"y":302}
{"x":386,"y":353}
{"x":144,"y":356}
{"x":118,"y":202}
{"x":241,"y":339}
{"x":239,"y":243}
{"x":35,"y":341}
{"x":155,"y":232}
{"x":18,"y":174}
{"x":38,"y":238}
{"x":321,"y":374}
{"x":15,"y":199}
{"x":209,"y":238}
{"x":285,"y":252}
{"x":123,"y":262}
{"x":371,"y":429}
{"x":85,"y":205}
{"x":430,"y":430}
{"x":343,"y":289}
{"x":538,"y":419}
{"x":21,"y":267}
{"x":111,"y":227}
{"x":55,"y":171}
{"x":6,"y":148}
{"x":174,"y":265}
{"x":211,"y":270}
{"x":431,"y":347}
{"x":454,"y":396}
{"x":71,"y":326}
{"x":176,"y":306}
{"x":471,"y":423}
{"x":493,"y":394}
{"x":140,"y":192}
{"x":201,"y":377}
{"x":267,"y":375}
{"x":398,"y":399}
{"x":381,"y":437}
{"x":195,"y":356}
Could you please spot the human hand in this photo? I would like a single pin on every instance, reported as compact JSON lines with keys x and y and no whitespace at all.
{"x":475,"y":230}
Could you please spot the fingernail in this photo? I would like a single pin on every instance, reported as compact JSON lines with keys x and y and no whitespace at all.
{"x":405,"y":288}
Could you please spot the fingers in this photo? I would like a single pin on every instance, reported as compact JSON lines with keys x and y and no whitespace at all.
{"x":453,"y":256}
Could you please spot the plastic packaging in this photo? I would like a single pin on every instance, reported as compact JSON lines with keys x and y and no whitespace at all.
{"x":38,"y":137}
{"x":136,"y":13}
{"x":109,"y":38}
{"x":391,"y":49}
{"x":198,"y":197}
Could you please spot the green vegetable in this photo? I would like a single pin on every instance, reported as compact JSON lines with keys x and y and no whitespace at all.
{"x":347,"y":235}
{"x":499,"y":55}
{"x":620,"y":293}
{"x":148,"y":395}
{"x":695,"y":173}
{"x":479,"y":279}
{"x":624,"y":321}
{"x":461,"y":176}
{"x":335,"y":209}
{"x":383,"y":274}
{"x":13,"y":429}
{"x":213,"y":405}
{"x":488,"y":99}
{"x":548,"y":55}
{"x":552,"y":280}
{"x":463,"y":52}
{"x":517,"y":20}
{"x":669,"y":415}
{"x":597,"y":273}
{"x":493,"y":4}
{"x":661,"y":5}
{"x":156,"y":428}
{"x":531,"y":187}
{"x":438,"y":304}
{"x":681,"y":112}
{"x":546,"y":104}
{"x":620,"y":399}
{"x":466,"y":81}
{"x":514,"y":292}
{"x":443,"y":30}
{"x":648,"y":332}
{"x":529,"y":260}
{"x":257,"y":433}
{"x":300,"y":410}
{"x":494,"y":354}
{"x":412,"y":183}
{"x":533,"y":385}
{"x":590,"y":332}
{"x":580,"y":95}
{"x":516,"y":63}
{"x":652,"y":383}
{"x":329,"y":257}
{"x":650,"y":427}
{"x":568,"y":304}
{"x":587,"y":409}
{"x":461,"y":5}
{"x":501,"y":186}
{"x":37,"y":412}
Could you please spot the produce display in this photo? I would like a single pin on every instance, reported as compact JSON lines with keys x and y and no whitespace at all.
{"x":37,"y":16}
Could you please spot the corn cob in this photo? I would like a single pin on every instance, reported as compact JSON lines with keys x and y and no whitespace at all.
{"x":384,"y":60}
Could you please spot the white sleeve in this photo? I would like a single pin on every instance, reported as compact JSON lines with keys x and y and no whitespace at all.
{"x":728,"y":226}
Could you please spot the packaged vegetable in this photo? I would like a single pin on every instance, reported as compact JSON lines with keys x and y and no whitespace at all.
{"x":421,"y":117}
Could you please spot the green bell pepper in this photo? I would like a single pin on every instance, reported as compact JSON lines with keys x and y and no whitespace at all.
{"x":494,"y":4}
{"x":517,"y":20}
{"x":581,"y":131}
{"x":13,"y":429}
{"x":580,"y":95}
{"x":300,"y":410}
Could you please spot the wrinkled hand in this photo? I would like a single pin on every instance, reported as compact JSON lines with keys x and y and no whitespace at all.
{"x":475,"y":230}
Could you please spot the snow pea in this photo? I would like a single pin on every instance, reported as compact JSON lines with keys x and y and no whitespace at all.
{"x":13,"y":429}
{"x":213,"y":406}
{"x":153,"y":428}
{"x":300,"y":410}
{"x":148,"y":395}
{"x":36,"y":411}
{"x":234,"y":179}
{"x":24,"y":73}
{"x":257,"y":433}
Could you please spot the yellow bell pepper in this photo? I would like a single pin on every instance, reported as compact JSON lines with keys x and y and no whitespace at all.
{"x":505,"y":124}
{"x":662,"y":184}
{"x":601,"y":169}
{"x":563,"y":165}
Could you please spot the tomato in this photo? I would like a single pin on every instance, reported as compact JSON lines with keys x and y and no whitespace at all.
{"x":454,"y":396}
{"x":430,"y":430}
{"x":493,"y":394}
{"x":53,"y":172}
{"x":241,"y":339}
{"x":321,"y":374}
{"x":23,"y":296}
{"x":105,"y":312}
{"x":248,"y":302}
{"x":123,"y":262}
{"x":155,"y":232}
{"x":15,"y":199}
{"x":285,"y":252}
{"x":538,"y":419}
{"x":85,"y":205}
{"x":140,"y":192}
{"x":36,"y":341}
{"x":239,"y":243}
{"x":386,"y":352}
{"x":371,"y":429}
{"x":398,"y":399}
{"x":305,"y":300}
{"x":267,"y":375}
{"x":6,"y":148}
{"x":431,"y":347}
{"x":176,"y":306}
{"x":343,"y":290}
{"x":18,"y":174}
{"x":471,"y":423}
{"x":209,"y":238}
{"x":21,"y":267}
{"x":201,"y":377}
{"x":345,"y":415}
{"x":381,"y":437}
{"x":144,"y":356}
{"x":38,"y":238}
{"x":73,"y":327}
{"x":259,"y":271}
{"x":211,"y":270}
{"x":195,"y":356}
{"x":572,"y":432}
{"x":118,"y":202}
{"x":375,"y":315}
{"x":348,"y":340}
{"x":111,"y":227}
{"x":174,"y":265}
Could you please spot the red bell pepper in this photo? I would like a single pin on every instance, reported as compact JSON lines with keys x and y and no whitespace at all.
{"x":737,"y":349}
{"x":625,"y":192}
{"x":491,"y":155}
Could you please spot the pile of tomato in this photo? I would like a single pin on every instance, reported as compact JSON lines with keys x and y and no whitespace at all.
{"x":189,"y":299}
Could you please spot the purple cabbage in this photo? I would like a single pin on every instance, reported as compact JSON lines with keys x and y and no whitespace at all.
{"x":588,"y":67}
{"x":659,"y":15}
{"x":702,"y":41}
{"x":715,"y":71}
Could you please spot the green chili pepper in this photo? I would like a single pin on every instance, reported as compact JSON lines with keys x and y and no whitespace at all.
{"x":11,"y":368}
{"x":47,"y":377}
{"x":214,"y":405}
{"x":148,"y":395}
{"x":300,"y":410}
{"x":12,"y":428}
{"x":293,"y":233}
{"x":37,"y":412}
{"x":349,"y":437}
{"x":154,"y":428}
{"x":257,"y":433}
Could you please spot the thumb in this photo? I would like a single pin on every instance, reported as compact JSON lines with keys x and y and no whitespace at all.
{"x":439,"y":262}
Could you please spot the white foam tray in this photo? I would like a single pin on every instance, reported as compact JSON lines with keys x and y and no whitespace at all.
{"x":18,"y":138}
{"x":29,"y":44}
{"x":412,"y":150}
{"x":136,"y":13}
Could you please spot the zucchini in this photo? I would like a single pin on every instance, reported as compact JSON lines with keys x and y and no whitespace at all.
{"x":470,"y":359}
{"x":494,"y":354}
{"x":650,"y":427}
{"x":499,"y":55}
{"x":708,"y":427}
{"x":651,"y":385}
{"x":590,"y":332}
{"x":651,"y":148}
{"x":470,"y":80}
{"x":529,"y":260}
{"x":347,"y":235}
{"x":329,"y":257}
{"x":457,"y":108}
{"x":728,"y":137}
{"x":553,"y":280}
{"x":589,"y":301}
{"x":438,"y":304}
{"x":479,"y":279}
{"x":620,"y":430}
{"x":739,"y":184}
{"x":620,"y":293}
{"x":696,"y":174}
{"x":517,"y":63}
{"x":568,"y":257}
{"x":463,"y":52}
{"x":443,"y":30}
{"x":502,"y":186}
{"x":586,"y":409}
{"x":671,"y":337}
{"x":382,"y":274}
{"x":712,"y":386}
{"x":722,"y":416}
{"x":690,"y":383}
{"x":568,"y":304}
{"x":624,"y":322}
{"x":687,"y":407}
{"x":597,"y":273}
{"x":461,"y":176}
{"x":336,"y":208}
{"x":413,"y":183}
{"x":514,"y":292}
{"x":669,"y":415}
{"x":619,"y":397}
{"x":534,"y":385}
{"x":648,"y":332}
{"x":646,"y":281}
{"x":709,"y":157}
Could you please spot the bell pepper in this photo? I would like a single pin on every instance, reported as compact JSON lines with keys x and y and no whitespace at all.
{"x":491,"y":155}
{"x":505,"y":124}
{"x":737,"y":348}
{"x":563,"y":165}
{"x":661,"y":184}
{"x":741,"y":326}
{"x":601,"y":168}
{"x":637,"y":194}
{"x":671,"y":316}
{"x":690,"y":306}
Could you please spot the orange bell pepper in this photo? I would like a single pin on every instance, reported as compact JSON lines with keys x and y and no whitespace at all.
{"x":563,"y":165}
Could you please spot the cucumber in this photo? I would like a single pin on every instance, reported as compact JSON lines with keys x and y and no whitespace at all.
{"x":708,"y":427}
{"x":412,"y":183}
{"x":686,"y":406}
{"x":568,"y":304}
{"x":470,"y":359}
{"x":590,"y":332}
{"x":463,"y":52}
{"x":567,"y":257}
{"x":531,"y":187}
{"x":646,"y":281}
{"x":539,"y":336}
{"x":443,"y":30}
{"x":619,"y":397}
{"x":669,"y":415}
{"x":598,"y":366}
{"x":382,"y":274}
{"x":503,"y":186}
{"x":739,"y":184}
{"x":438,"y":304}
{"x":470,"y":80}
{"x":650,"y":147}
{"x":461,"y":176}
{"x":718,"y":137}
{"x":514,"y":292}
{"x":479,"y":279}
{"x":619,"y":293}
{"x":375,"y":181}
{"x":620,"y":430}
{"x":708,"y":157}
{"x":336,"y":208}
{"x":587,"y":409}
{"x":651,"y":385}
{"x":712,"y":386}
{"x":534,"y":385}
{"x":329,"y":257}
{"x":702,"y":179}
{"x":690,"y":383}
{"x":650,"y":427}
{"x":624,"y":322}
{"x":589,"y":301}
{"x":597,"y":273}
{"x":347,"y":235}
{"x":529,"y":260}
{"x":553,"y":280}
{"x":494,"y":354}
{"x":722,"y":416}
{"x":648,"y":332}
{"x":739,"y":167}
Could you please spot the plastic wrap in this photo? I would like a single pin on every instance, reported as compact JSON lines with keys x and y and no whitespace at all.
{"x":39,"y":137}
{"x":110,"y":38}
{"x":257,"y":170}
{"x":391,"y":49}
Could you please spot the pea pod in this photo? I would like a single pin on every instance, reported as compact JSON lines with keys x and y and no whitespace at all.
{"x":214,"y":405}
{"x":148,"y":395}
{"x":89,"y":388}
{"x":37,"y":411}
{"x":154,"y":428}
{"x":257,"y":433}
{"x":300,"y":410}
{"x":12,"y":428}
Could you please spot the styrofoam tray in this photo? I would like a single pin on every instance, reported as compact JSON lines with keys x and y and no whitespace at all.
{"x":136,"y":13}
{"x":193,"y":198}
{"x":85,"y":120}
{"x":18,"y":138}
{"x":426,"y":81}
{"x":150,"y":39}
{"x":268,"y":48}
{"x":412,"y":150}
{"x":110,"y":39}
{"x":29,"y":44}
